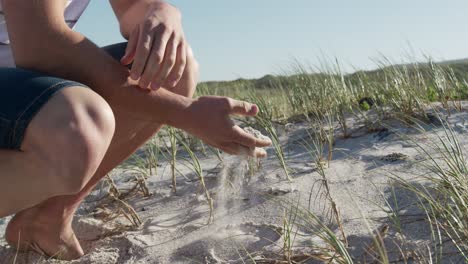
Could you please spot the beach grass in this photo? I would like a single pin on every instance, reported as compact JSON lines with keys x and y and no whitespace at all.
{"x":325,"y":98}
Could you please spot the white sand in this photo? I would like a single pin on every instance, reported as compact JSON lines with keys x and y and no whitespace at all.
{"x":174,"y":226}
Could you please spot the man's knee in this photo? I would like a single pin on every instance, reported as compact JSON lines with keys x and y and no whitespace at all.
{"x":188,"y":84}
{"x":192,"y":64}
{"x":75,"y":129}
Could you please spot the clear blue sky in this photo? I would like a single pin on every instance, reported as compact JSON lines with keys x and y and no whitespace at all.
{"x":246,"y":38}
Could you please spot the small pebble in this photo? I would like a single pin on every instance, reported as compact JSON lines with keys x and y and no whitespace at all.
{"x":395,"y":156}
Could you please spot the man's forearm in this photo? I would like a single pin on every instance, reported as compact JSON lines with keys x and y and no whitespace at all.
{"x":70,"y":55}
{"x":42,"y":41}
{"x":111,"y":80}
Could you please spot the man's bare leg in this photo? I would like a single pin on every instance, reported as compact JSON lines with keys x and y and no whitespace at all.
{"x":62,"y":149}
{"x":130,"y":133}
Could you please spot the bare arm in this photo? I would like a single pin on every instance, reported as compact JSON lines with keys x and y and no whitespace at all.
{"x":42,"y":41}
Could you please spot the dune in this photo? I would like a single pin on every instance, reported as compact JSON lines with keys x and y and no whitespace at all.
{"x":254,"y":203}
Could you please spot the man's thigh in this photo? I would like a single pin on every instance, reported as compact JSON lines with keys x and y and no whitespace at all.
{"x":23,"y":94}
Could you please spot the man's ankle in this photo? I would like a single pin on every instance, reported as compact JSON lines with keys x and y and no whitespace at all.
{"x":54,"y":210}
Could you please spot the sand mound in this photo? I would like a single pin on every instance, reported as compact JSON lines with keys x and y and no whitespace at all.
{"x":248,"y":219}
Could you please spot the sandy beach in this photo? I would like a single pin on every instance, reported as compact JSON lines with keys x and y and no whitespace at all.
{"x":250,"y":212}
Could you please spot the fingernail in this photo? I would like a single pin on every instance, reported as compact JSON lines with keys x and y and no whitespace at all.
{"x":253,"y":109}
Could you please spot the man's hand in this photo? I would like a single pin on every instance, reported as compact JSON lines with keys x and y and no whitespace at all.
{"x":157,"y":48}
{"x":208,"y":118}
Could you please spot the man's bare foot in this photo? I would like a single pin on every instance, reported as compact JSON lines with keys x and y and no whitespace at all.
{"x":31,"y":229}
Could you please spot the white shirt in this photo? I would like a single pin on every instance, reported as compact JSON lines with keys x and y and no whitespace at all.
{"x":73,"y":11}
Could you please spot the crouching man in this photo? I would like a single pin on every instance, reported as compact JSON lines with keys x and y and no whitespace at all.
{"x":70,"y":111}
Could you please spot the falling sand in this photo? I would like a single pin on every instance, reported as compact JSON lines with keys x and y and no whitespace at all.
{"x":235,"y":176}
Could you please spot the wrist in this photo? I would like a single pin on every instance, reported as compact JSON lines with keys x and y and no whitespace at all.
{"x":163,"y":6}
{"x":179,"y":111}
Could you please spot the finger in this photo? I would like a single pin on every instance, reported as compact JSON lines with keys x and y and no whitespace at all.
{"x":179,"y":67}
{"x":145,"y":42}
{"x":168,"y":64}
{"x":260,"y":153}
{"x":223,"y":147}
{"x":239,"y":150}
{"x":161,"y":38}
{"x":130,"y":50}
{"x":248,"y":140}
{"x":154,"y":62}
{"x":228,"y":150}
{"x":243,"y":108}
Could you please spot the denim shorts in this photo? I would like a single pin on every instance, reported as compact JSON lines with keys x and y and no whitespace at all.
{"x":23,"y":93}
